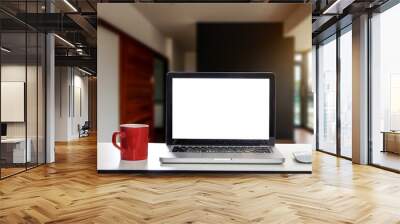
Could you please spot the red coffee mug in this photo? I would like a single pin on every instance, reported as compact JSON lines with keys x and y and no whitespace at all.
{"x":133,"y":141}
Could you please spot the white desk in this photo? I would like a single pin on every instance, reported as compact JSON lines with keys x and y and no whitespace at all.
{"x":19,"y":155}
{"x":109,"y":160}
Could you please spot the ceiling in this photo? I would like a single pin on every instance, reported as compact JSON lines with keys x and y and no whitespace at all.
{"x":73,"y":20}
{"x":178,"y":21}
{"x":22,"y":48}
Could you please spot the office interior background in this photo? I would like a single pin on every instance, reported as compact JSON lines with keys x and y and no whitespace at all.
{"x":39,"y":38}
{"x":205,"y":38}
{"x":342,"y":92}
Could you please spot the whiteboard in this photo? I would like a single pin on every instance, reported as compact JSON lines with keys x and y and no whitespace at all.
{"x":12,"y":101}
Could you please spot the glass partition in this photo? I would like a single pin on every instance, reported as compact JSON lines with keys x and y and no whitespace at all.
{"x":22,"y":78}
{"x":14,"y":153}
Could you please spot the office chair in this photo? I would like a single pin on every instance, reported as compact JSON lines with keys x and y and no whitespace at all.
{"x":84,"y":130}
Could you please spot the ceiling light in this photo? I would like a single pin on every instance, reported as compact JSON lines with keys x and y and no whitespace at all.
{"x":70,"y":5}
{"x":337,"y":7}
{"x":84,"y":71}
{"x":326,"y":11}
{"x":5,"y":50}
{"x":65,"y":41}
{"x":79,"y":51}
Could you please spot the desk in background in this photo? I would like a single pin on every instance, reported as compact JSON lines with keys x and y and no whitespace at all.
{"x":109,"y":160}
{"x":391,"y":141}
{"x":13,"y":150}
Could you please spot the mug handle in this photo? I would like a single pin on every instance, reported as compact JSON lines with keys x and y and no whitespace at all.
{"x":114,"y":139}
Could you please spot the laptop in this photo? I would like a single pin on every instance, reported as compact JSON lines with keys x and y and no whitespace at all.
{"x":214,"y":118}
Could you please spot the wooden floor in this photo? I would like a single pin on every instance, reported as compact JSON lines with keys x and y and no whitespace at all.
{"x":71,"y":191}
{"x":5,"y":172}
{"x":303,"y":136}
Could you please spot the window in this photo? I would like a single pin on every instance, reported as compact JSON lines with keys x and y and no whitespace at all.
{"x":346,"y":93}
{"x":334,"y":73}
{"x":385,"y":89}
{"x":297,"y":95}
{"x":327,"y":95}
{"x":310,"y":91}
{"x":303,"y":91}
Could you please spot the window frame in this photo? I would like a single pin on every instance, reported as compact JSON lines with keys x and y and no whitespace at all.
{"x":333,"y":37}
{"x":371,"y":13}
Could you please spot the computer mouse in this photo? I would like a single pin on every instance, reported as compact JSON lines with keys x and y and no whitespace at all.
{"x":303,"y":157}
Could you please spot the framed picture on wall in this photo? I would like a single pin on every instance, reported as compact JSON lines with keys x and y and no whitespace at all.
{"x":12,"y":101}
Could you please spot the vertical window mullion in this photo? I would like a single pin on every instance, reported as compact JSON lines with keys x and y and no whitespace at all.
{"x":37,"y":90}
{"x":26,"y":86}
{"x":369,"y":100}
{"x":338,"y":80}
{"x":317,"y":96}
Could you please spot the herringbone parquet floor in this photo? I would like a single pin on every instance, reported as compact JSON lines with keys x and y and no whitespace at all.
{"x":71,"y":191}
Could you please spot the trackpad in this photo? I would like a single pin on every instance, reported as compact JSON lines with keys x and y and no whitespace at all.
{"x":222,"y":159}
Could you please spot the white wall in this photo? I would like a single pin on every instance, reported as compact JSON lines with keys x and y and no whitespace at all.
{"x":299,"y":26}
{"x":66,"y":121}
{"x":14,"y":72}
{"x":79,"y":117}
{"x":127,"y":18}
{"x":62,"y":81}
{"x":107,"y":83}
{"x":175,"y":55}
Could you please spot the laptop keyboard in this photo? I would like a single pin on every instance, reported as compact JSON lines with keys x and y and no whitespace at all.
{"x":224,"y":149}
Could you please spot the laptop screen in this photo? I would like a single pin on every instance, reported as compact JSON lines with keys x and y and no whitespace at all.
{"x":221,"y":108}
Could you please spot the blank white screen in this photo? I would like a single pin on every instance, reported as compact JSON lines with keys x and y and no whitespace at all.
{"x":214,"y":108}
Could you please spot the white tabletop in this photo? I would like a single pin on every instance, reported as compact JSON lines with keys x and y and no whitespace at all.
{"x":109,"y":160}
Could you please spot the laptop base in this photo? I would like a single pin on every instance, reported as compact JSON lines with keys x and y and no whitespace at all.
{"x":224,"y":158}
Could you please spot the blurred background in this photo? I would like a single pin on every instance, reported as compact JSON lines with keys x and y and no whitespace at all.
{"x":139,"y":43}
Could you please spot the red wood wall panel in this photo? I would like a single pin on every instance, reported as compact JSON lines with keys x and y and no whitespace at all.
{"x":136,"y":83}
